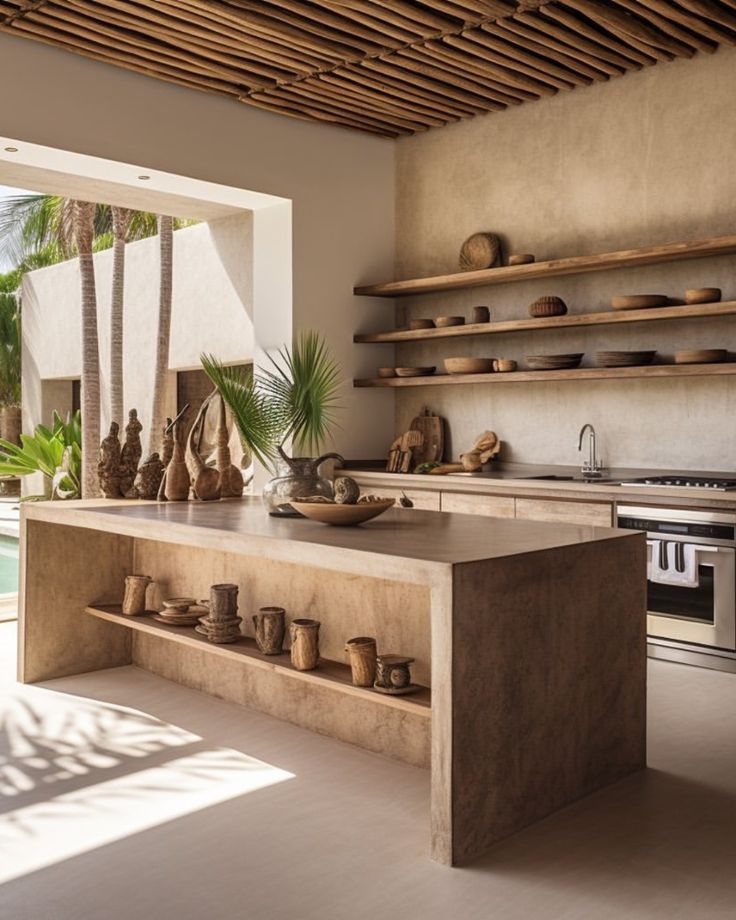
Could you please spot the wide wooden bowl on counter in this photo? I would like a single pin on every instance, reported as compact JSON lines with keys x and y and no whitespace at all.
{"x":343,"y":515}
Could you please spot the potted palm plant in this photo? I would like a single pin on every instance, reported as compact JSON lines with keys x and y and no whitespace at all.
{"x":293,"y":401}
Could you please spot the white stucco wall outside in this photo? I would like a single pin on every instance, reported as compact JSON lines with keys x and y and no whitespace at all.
{"x":211,"y":312}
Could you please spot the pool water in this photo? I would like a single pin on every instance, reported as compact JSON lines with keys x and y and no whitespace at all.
{"x":8,"y":565}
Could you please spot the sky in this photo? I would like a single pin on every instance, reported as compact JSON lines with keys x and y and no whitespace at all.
{"x":7,"y":192}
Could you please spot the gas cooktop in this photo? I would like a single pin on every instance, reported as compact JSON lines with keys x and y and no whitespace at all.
{"x":684,"y":482}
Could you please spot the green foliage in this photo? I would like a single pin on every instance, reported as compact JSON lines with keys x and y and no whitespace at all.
{"x":296,"y":399}
{"x":10,"y":341}
{"x":37,"y":230}
{"x":55,"y":452}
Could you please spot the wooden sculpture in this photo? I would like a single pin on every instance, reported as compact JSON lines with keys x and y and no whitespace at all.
{"x":176,"y":479}
{"x":167,"y":452}
{"x":486,"y":446}
{"x":130,"y":455}
{"x":149,"y":477}
{"x":230,"y":477}
{"x":108,"y":466}
{"x":431,"y":427}
{"x":205,"y":479}
{"x":401,"y":452}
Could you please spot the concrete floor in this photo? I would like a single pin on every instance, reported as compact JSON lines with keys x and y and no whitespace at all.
{"x":125,"y":796}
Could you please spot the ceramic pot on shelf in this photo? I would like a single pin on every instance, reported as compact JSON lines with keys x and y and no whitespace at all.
{"x":299,"y":478}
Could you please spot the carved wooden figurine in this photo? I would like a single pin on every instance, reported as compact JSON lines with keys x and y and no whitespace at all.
{"x":393,"y":675}
{"x":176,"y":488}
{"x":108,"y":467}
{"x":148,"y":479}
{"x":230,"y":477}
{"x":130,"y":455}
{"x":486,"y":446}
{"x":205,"y":479}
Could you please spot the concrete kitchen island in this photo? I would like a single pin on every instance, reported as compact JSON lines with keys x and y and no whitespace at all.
{"x":529,"y":638}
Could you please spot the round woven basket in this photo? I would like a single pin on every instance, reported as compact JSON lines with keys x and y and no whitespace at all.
{"x":481,"y":250}
{"x":548,"y":306}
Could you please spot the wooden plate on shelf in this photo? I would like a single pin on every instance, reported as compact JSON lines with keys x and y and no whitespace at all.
{"x":414,"y":371}
{"x":623,"y":358}
{"x":442,"y":322}
{"x":554,"y":362}
{"x":342,"y":515}
{"x":639,"y":301}
{"x":701,"y":356}
{"x":702,"y":295}
{"x":468,"y":365}
{"x":416,"y":324}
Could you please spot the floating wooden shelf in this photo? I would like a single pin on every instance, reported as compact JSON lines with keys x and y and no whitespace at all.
{"x":331,"y":673}
{"x":584,"y":373}
{"x":574,"y":265}
{"x":570,"y":321}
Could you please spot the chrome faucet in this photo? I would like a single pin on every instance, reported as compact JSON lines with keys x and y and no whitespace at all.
{"x":592,"y":466}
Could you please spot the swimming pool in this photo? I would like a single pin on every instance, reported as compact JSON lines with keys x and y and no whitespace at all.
{"x":8,"y":565}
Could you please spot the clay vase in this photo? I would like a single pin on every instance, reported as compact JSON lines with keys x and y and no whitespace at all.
{"x":362,"y":651}
{"x":223,"y":601}
{"x":134,"y":598}
{"x":304,"y":644}
{"x":270,"y":626}
{"x":177,"y":476}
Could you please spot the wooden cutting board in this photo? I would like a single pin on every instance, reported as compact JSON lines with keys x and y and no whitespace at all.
{"x":433,"y":429}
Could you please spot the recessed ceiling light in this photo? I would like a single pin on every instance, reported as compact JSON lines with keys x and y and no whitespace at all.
{"x":144,"y":178}
{"x":11,"y":149}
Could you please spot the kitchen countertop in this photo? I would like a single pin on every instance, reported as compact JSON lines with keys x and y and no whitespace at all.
{"x":503,"y":477}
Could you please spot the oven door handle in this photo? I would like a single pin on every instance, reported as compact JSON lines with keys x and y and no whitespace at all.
{"x":699,"y":547}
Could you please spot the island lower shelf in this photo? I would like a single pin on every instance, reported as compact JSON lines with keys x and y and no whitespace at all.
{"x":333,"y":675}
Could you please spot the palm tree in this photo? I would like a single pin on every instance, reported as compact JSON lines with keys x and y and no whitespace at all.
{"x":158,"y":411}
{"x":10,"y":356}
{"x":84,"y":226}
{"x":121,"y":219}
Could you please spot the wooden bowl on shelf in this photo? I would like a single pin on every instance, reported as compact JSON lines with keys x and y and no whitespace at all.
{"x":386,"y":372}
{"x":479,"y":251}
{"x":701,"y":356}
{"x":416,"y":324}
{"x":623,"y":358}
{"x":414,"y":371}
{"x":547,"y":306}
{"x":468,"y":365}
{"x":342,"y":515}
{"x":554,"y":362}
{"x":521,"y":258}
{"x":442,"y":322}
{"x":702,"y":295}
{"x":638,"y":301}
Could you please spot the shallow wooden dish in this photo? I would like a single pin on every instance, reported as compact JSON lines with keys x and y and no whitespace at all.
{"x":468,"y":365}
{"x":639,"y":301}
{"x":386,"y":371}
{"x":414,"y":372}
{"x":521,"y":258}
{"x":554,"y":362}
{"x":415,"y":324}
{"x":701,"y":356}
{"x":342,"y":515}
{"x":623,"y":358}
{"x":703,"y":295}
{"x":442,"y":322}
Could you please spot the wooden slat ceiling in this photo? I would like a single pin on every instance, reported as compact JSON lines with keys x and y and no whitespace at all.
{"x":390,"y":68}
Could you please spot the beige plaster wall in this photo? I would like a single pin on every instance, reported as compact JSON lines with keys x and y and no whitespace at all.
{"x":340,"y":184}
{"x":211,"y":312}
{"x":643,"y":159}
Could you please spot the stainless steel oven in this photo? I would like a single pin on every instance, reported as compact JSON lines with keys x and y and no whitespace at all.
{"x":703,"y":614}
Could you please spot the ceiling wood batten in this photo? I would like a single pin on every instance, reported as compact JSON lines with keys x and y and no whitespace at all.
{"x":389,"y":68}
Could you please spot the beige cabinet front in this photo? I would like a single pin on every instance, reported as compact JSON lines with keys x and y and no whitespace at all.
{"x":597,"y":514}
{"x":475,"y":503}
{"x":426,"y":499}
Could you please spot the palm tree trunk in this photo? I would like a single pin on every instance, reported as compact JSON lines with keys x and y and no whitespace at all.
{"x":84,"y":215}
{"x":158,"y":413}
{"x":121,"y":218}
